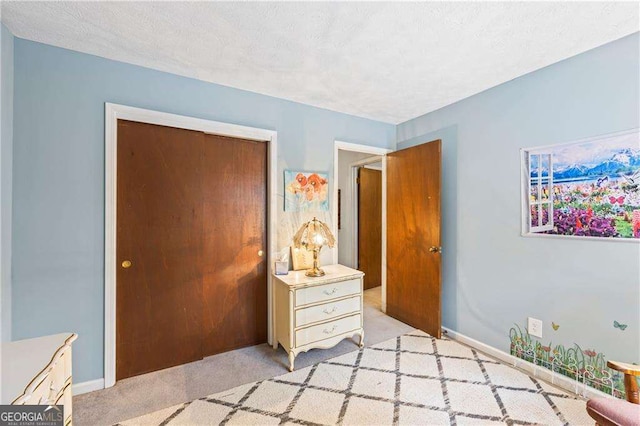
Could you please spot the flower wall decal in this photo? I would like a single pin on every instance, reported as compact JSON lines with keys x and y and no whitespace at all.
{"x":586,"y":366}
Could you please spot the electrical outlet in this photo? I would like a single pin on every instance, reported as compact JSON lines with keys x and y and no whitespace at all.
{"x":534,"y":327}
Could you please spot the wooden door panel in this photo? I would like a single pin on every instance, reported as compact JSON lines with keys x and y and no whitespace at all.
{"x":370,"y":226}
{"x":235,"y":281}
{"x":159,"y":229}
{"x":413,"y":226}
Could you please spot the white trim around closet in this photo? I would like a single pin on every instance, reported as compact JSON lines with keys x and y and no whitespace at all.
{"x":113,"y":113}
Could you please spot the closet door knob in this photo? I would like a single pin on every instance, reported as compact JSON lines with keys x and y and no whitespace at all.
{"x":126,"y":264}
{"x":260,"y":253}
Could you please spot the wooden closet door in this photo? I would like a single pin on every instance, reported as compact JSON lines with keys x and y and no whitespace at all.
{"x":370,"y":226}
{"x":159,"y":231}
{"x":235,"y":244}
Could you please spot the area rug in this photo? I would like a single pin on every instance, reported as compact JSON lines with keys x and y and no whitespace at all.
{"x":413,"y":379}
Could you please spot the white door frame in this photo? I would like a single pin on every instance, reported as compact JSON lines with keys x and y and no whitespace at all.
{"x":347,"y":146}
{"x":113,"y":113}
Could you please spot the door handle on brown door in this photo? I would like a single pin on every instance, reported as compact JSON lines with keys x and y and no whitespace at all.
{"x":435,"y":249}
{"x":260,"y":253}
{"x":126,"y":264}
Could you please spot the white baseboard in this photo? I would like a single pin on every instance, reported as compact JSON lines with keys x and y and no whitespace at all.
{"x":556,"y":379}
{"x":88,"y":386}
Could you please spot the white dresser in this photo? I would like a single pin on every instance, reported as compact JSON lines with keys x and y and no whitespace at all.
{"x":38,"y":371}
{"x":317,"y":312}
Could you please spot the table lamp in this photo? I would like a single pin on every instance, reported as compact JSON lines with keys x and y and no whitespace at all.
{"x":312,"y":236}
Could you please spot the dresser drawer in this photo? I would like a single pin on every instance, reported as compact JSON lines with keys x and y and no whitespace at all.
{"x":327,"y":292}
{"x":327,"y":330}
{"x":327,"y":311}
{"x":59,"y":375}
{"x":66,"y":399}
{"x":41,"y":393}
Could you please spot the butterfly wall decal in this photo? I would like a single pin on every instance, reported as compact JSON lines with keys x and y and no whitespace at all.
{"x":619,"y":200}
{"x":632,"y":183}
{"x":622,"y":327}
{"x":633,"y":177}
{"x":601,"y":181}
{"x":555,"y":326}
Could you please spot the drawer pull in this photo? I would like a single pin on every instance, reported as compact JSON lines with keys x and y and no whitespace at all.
{"x":327,"y":331}
{"x":330,"y":292}
{"x":329,"y":312}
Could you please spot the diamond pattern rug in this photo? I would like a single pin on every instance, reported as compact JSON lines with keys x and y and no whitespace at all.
{"x":413,"y":379}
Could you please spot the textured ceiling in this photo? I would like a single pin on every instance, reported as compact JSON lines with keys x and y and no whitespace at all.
{"x":386,"y":61}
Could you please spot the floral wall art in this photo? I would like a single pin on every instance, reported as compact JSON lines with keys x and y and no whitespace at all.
{"x":306,"y":191}
{"x":585,"y":189}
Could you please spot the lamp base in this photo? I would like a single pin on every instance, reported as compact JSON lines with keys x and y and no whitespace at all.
{"x":315,"y":272}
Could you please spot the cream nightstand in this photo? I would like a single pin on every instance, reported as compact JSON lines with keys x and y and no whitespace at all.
{"x":317,"y":312}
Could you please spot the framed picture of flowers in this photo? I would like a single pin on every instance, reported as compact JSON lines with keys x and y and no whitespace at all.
{"x":584,"y":189}
{"x":306,"y":191}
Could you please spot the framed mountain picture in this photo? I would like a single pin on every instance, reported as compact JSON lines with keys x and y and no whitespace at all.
{"x":588,"y":188}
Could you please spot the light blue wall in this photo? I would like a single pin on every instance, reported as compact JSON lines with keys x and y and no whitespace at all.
{"x":58,"y":191}
{"x":493,"y":277}
{"x":6,"y":160}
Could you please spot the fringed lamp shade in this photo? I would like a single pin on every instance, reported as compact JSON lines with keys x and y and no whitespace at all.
{"x":312,"y":236}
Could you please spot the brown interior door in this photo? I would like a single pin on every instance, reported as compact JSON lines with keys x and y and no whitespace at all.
{"x":413,"y":236}
{"x":159,"y":231}
{"x":370,"y":226}
{"x":235,"y":280}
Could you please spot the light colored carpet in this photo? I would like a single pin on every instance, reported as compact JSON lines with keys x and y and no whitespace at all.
{"x":413,"y":379}
{"x":154,"y":391}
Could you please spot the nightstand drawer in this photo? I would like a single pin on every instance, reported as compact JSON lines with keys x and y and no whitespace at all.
{"x":327,"y":292}
{"x":327,"y":330}
{"x":327,"y":311}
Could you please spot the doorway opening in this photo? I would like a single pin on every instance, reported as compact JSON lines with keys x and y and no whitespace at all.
{"x":411,"y":239}
{"x":349,"y":160}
